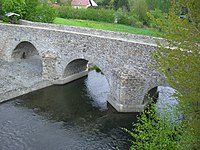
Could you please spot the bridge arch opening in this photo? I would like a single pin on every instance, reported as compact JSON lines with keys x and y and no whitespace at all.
{"x":152,"y":94}
{"x":27,"y":57}
{"x":25,"y":50}
{"x":96,"y":84}
{"x":76,"y":66}
{"x":162,"y":96}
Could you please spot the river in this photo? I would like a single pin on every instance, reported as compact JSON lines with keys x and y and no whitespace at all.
{"x":70,"y":117}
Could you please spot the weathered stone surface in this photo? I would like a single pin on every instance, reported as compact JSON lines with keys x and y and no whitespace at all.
{"x":123,"y":58}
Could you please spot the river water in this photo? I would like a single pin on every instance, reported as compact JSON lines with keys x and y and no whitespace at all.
{"x":70,"y":117}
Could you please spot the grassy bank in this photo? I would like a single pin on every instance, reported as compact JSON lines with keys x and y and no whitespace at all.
{"x":106,"y":26}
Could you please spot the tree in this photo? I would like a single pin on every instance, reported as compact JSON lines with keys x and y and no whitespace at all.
{"x":37,"y":11}
{"x":179,"y":61}
{"x":16,"y":6}
{"x":1,"y":11}
{"x":31,"y":7}
{"x":159,"y":4}
{"x":44,"y":13}
{"x":139,"y":8}
{"x":153,"y":131}
{"x":121,"y":4}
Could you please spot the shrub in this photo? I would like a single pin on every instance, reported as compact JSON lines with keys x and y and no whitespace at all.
{"x":105,"y":15}
{"x":15,"y":6}
{"x":155,"y":132}
{"x":156,"y":14}
{"x":1,"y":11}
{"x":31,"y":6}
{"x":44,"y":13}
{"x":5,"y":19}
{"x":122,"y":17}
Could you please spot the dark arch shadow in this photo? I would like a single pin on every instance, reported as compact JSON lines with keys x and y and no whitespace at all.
{"x":25,"y":50}
{"x":152,"y":95}
{"x":26,"y":55}
{"x":75,"y":66}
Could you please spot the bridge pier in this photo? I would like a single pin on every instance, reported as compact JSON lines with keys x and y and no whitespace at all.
{"x":128,"y":89}
{"x":49,"y":66}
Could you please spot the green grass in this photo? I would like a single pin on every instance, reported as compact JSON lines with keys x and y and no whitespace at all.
{"x":106,"y":26}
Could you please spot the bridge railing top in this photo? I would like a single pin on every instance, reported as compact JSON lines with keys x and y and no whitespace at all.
{"x":109,"y":34}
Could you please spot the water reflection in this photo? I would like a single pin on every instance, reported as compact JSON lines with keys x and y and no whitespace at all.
{"x":98,"y":97}
{"x":70,"y":117}
{"x":167,"y":104}
{"x":74,"y":116}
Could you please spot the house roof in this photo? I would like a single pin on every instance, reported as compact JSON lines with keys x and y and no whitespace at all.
{"x":83,"y":3}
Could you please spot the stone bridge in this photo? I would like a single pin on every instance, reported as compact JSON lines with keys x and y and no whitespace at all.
{"x":63,"y":54}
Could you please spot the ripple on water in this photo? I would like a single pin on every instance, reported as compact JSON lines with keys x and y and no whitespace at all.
{"x":70,"y":117}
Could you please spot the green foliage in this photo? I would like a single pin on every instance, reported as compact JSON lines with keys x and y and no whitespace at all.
{"x":1,"y":11}
{"x":156,"y":14}
{"x":94,"y":67}
{"x":139,"y":8}
{"x":31,"y":8}
{"x":162,"y":5}
{"x":122,"y":4}
{"x":64,"y":2}
{"x":106,"y":26}
{"x":179,"y":61}
{"x":155,"y":132}
{"x":16,"y":6}
{"x":183,"y":37}
{"x":44,"y":13}
{"x":105,"y":15}
{"x":105,"y":3}
{"x":102,"y":15}
{"x":123,"y":17}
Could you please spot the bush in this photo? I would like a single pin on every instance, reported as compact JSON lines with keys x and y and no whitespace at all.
{"x":44,"y":13}
{"x":1,"y":11}
{"x":156,"y":14}
{"x":31,"y":6}
{"x":105,"y":15}
{"x":155,"y":132}
{"x":101,"y":14}
{"x":5,"y":19}
{"x":15,"y":6}
{"x":122,"y":17}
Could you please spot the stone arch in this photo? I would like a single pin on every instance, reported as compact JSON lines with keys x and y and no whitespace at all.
{"x":75,"y":66}
{"x":79,"y":67}
{"x":76,"y":69}
{"x":152,"y":94}
{"x":25,"y":50}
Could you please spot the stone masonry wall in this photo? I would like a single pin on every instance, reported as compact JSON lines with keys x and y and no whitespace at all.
{"x":123,"y":58}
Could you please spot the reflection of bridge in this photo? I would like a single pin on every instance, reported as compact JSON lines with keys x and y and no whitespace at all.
{"x":63,"y":54}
